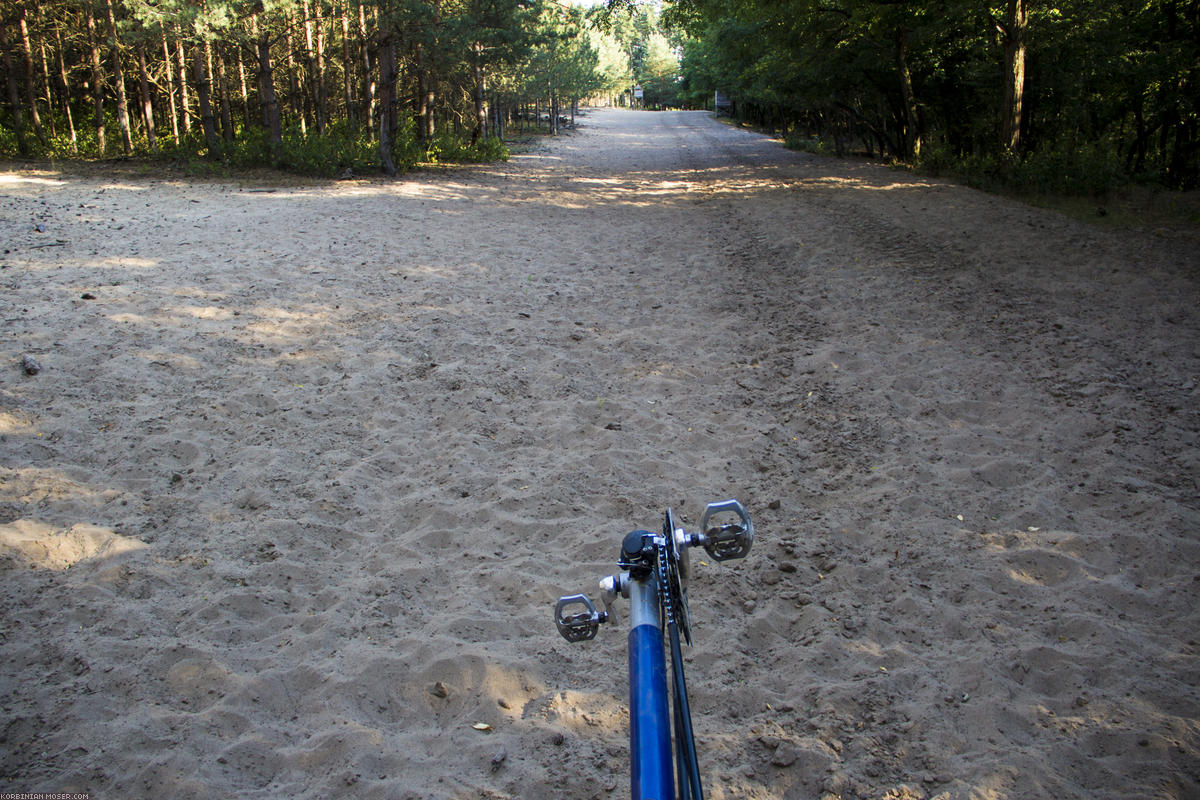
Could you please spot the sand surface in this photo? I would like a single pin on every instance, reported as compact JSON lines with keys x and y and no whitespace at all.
{"x":296,"y":454}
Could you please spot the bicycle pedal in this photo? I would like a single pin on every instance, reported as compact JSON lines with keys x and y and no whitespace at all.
{"x":579,"y":626}
{"x":728,"y":540}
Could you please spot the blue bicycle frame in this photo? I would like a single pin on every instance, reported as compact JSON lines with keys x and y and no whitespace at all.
{"x":655,"y":582}
{"x":649,"y":729}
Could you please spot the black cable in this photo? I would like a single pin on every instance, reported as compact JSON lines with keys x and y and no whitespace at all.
{"x":682,"y":781}
{"x":687,"y":740}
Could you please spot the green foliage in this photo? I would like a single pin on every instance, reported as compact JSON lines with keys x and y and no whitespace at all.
{"x":562,"y":64}
{"x":1112,"y":89}
{"x":612,"y":62}
{"x":341,"y":147}
{"x":252,"y":148}
{"x":329,"y":155}
{"x":58,"y":144}
{"x":1089,"y":171}
{"x":491,"y":149}
{"x":450,"y":149}
{"x":805,"y":143}
{"x":651,"y":52}
{"x":8,"y":140}
{"x":460,"y":63}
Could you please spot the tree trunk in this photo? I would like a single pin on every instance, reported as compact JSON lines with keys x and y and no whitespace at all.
{"x":315,"y":92}
{"x":204,"y":93}
{"x":147,"y":104}
{"x":1181,"y":172}
{"x":425,"y":98}
{"x":387,"y":100}
{"x":223,"y":97}
{"x":48,"y":84}
{"x":97,"y":86}
{"x":30,"y":80}
{"x":1012,"y":31}
{"x":368,"y":73}
{"x":296,"y":97}
{"x":1141,"y":144}
{"x":352,"y":113}
{"x":66,"y":90}
{"x":170,"y":86}
{"x":118,"y":79}
{"x":910,"y":138}
{"x":427,"y":94}
{"x":479,"y":89}
{"x":185,"y":111}
{"x":246,"y":119}
{"x":321,"y":79}
{"x":14,"y":95}
{"x":430,"y":76}
{"x":266,"y":91}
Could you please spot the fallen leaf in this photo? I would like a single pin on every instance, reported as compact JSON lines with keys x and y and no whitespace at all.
{"x":481,"y":726}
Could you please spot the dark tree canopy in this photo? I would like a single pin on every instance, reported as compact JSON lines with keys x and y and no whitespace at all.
{"x":316,"y":85}
{"x":1104,"y":89}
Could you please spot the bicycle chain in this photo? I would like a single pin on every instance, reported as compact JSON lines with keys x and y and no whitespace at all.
{"x":671,"y":586}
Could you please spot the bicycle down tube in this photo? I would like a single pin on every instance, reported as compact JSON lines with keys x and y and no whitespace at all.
{"x":649,"y":731}
{"x":654,"y":580}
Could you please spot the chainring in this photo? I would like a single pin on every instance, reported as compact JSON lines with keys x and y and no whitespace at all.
{"x":673,"y":574}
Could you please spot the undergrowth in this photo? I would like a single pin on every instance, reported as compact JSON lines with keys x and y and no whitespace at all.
{"x":1088,"y":183}
{"x":1087,"y":171}
{"x":341,"y":149}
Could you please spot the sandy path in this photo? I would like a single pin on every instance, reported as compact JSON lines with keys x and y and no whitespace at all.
{"x":305,"y":452}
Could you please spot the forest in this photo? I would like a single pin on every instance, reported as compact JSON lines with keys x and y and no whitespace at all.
{"x":319,"y":86}
{"x":1056,"y":95}
{"x":1078,"y":96}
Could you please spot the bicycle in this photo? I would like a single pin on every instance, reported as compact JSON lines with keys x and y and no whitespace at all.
{"x":654,"y":580}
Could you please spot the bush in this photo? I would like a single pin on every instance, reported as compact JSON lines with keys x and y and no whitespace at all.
{"x":806,"y":144}
{"x":447,"y":147}
{"x":342,"y":146}
{"x":1089,"y":170}
{"x":937,"y":160}
{"x":1086,"y":171}
{"x":330,"y":154}
{"x":491,"y":149}
{"x":407,"y":152}
{"x":8,"y":142}
{"x":252,"y":148}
